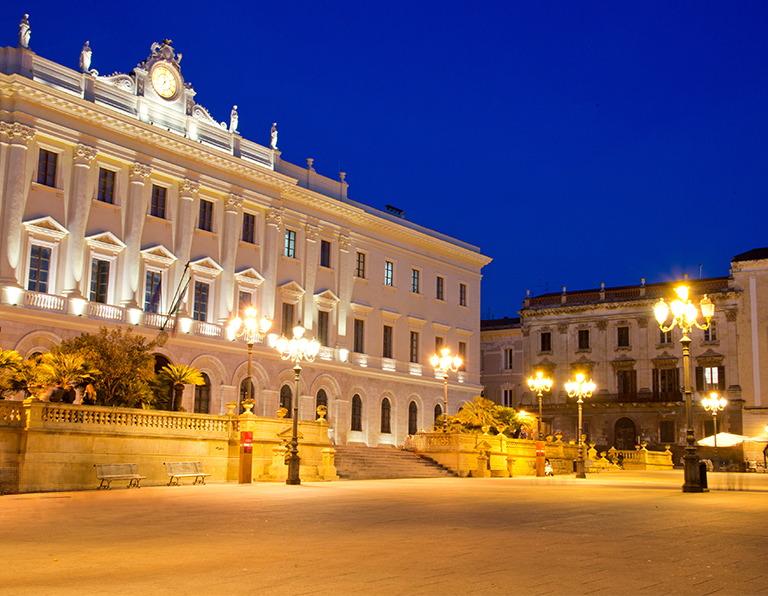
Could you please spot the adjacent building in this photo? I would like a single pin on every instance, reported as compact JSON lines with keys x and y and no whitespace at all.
{"x":124,"y":200}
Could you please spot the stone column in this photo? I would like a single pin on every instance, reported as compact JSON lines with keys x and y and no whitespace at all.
{"x":135,"y":214}
{"x":310,"y":273}
{"x":233,"y":209}
{"x":16,"y":191}
{"x":77,"y":220}
{"x":185,"y":229}
{"x":272,"y":250}
{"x":346,"y":285}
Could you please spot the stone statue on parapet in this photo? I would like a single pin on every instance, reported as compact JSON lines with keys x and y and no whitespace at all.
{"x":85,"y":58}
{"x":273,"y":136}
{"x":24,"y":32}
{"x":233,"y":119}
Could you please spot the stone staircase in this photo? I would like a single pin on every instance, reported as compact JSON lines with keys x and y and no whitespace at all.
{"x":357,"y":462}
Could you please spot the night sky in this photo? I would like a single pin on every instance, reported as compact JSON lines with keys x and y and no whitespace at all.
{"x":573,"y":142}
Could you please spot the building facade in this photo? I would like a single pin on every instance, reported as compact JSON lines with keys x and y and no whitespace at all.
{"x":612,"y":336}
{"x":123,"y":200}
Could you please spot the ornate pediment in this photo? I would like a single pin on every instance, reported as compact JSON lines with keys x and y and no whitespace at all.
{"x":159,"y":255}
{"x":583,"y":365}
{"x":360,"y":309}
{"x":249,"y":277}
{"x":206,"y":266}
{"x":45,"y":228}
{"x":389,"y":314}
{"x":105,"y":242}
{"x":623,"y":363}
{"x":327,"y":299}
{"x":441,"y":327}
{"x":665,"y":360}
{"x":710,"y":358}
{"x":291,"y":291}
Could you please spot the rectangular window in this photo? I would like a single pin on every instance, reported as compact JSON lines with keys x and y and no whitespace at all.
{"x":249,"y":228}
{"x":667,"y":431}
{"x":415,"y":273}
{"x":710,"y":333}
{"x":288,"y":320}
{"x":463,"y":355}
{"x":439,"y":282}
{"x":626,"y":383}
{"x":99,"y":280}
{"x":360,"y":270}
{"x":710,"y":378}
{"x":438,"y":345}
{"x":507,"y":398}
{"x":106,"y":191}
{"x":583,"y":339}
{"x":386,"y":350}
{"x":462,"y":294}
{"x":665,"y":337}
{"x":623,"y":337}
{"x":39,"y":267}
{"x":359,"y":336}
{"x":546,"y":341}
{"x":290,"y":244}
{"x":153,"y":285}
{"x":389,"y":273}
{"x":245,"y":299}
{"x":508,"y":356}
{"x":205,"y":221}
{"x":325,"y":253}
{"x":666,"y":382}
{"x":46,"y":168}
{"x":157,"y":206}
{"x":414,"y":346}
{"x":322,"y":327}
{"x":200,"y":312}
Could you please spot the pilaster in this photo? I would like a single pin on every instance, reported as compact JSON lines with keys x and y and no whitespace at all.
{"x":233,"y":210}
{"x":311,"y":261}
{"x":272,"y":247}
{"x":135,"y":214}
{"x":77,"y":220}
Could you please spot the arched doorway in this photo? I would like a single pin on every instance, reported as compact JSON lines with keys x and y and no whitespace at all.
{"x":357,"y":413}
{"x":203,"y":396}
{"x":321,"y":400}
{"x":413,"y":418}
{"x":285,"y":399}
{"x":438,"y":412}
{"x":624,"y":434}
{"x":386,"y":410}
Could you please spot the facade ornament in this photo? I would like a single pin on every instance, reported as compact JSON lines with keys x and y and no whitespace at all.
{"x":84,"y":154}
{"x":24,"y":32}
{"x":233,"y":203}
{"x":275,"y":216}
{"x":344,"y":242}
{"x":602,"y":325}
{"x":526,"y":331}
{"x":15,"y":130}
{"x":139,"y":170}
{"x":311,"y":231}
{"x":562,"y":328}
{"x":188,"y":188}
{"x":233,"y":119}
{"x":642,"y":321}
{"x":731,"y":314}
{"x":273,"y":136}
{"x":85,"y":57}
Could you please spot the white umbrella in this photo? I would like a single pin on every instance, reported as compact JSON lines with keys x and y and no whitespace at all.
{"x":723,"y":440}
{"x":759,"y":439}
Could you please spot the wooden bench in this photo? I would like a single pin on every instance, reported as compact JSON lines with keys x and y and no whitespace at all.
{"x":110,"y":472}
{"x":185,"y":469}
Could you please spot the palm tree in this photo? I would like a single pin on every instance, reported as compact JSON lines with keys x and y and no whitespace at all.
{"x":478,"y":413}
{"x":10,"y":363}
{"x":178,"y":376}
{"x":66,"y":369}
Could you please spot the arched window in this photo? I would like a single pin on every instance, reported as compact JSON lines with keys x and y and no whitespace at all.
{"x":386,"y":412}
{"x":203,"y":396}
{"x":322,"y":400}
{"x":357,"y":413}
{"x":164,"y":392}
{"x":413,"y":418}
{"x":244,"y":389}
{"x":285,"y":399}
{"x":438,"y":411}
{"x":624,"y":434}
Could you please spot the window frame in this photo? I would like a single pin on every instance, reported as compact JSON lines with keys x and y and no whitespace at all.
{"x":387,"y":337}
{"x":389,"y":274}
{"x":415,"y":281}
{"x":248,"y":234}
{"x":360,"y":263}
{"x":356,"y":419}
{"x":289,"y":248}
{"x":582,"y":340}
{"x":622,"y":336}
{"x":358,"y":343}
{"x":155,"y":207}
{"x":323,"y":327}
{"x":545,"y":346}
{"x":414,"y":347}
{"x":462,"y":294}
{"x":105,"y":193}
{"x":205,"y":215}
{"x":439,"y":288}
{"x":201,"y":314}
{"x":45,"y":174}
{"x":325,"y":254}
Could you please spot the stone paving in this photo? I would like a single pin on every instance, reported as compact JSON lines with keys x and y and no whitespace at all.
{"x":613,"y":533}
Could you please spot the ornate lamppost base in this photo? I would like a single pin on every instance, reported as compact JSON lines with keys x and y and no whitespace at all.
{"x":692,"y":474}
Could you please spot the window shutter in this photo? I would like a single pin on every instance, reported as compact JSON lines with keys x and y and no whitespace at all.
{"x":699,"y":378}
{"x":721,"y":378}
{"x":655,"y":381}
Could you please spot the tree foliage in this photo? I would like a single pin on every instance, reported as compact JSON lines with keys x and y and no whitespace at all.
{"x":178,"y":375}
{"x":10,"y":363}
{"x":480,"y":412}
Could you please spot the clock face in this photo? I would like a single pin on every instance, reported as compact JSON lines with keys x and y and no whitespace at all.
{"x":163,"y":81}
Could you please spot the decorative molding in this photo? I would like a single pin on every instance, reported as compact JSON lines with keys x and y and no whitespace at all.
{"x":642,"y":321}
{"x":84,"y":154}
{"x":275,"y":216}
{"x":15,"y":132}
{"x":415,"y":322}
{"x":249,"y":278}
{"x":623,"y":364}
{"x":731,"y":314}
{"x":291,"y":292}
{"x":344,"y":242}
{"x":562,"y":328}
{"x":188,"y":188}
{"x":602,"y":325}
{"x":45,"y":227}
{"x":206,"y":267}
{"x":467,"y":333}
{"x":710,"y":358}
{"x":158,"y":255}
{"x":526,"y":331}
{"x":311,"y":231}
{"x":665,"y":360}
{"x":360,"y":309}
{"x":441,"y":327}
{"x":233,"y":203}
{"x":326,"y":299}
{"x":389,"y":315}
{"x":583,"y":365}
{"x":139,"y":170}
{"x":105,"y":242}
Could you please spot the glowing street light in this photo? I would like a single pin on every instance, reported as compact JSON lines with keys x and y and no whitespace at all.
{"x":252,"y":330}
{"x":685,"y":315}
{"x":539,"y":384}
{"x":442,"y":364}
{"x":581,"y":389}
{"x":296,"y":349}
{"x":714,"y":403}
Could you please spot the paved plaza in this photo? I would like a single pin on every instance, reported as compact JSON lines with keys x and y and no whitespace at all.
{"x":613,"y":533}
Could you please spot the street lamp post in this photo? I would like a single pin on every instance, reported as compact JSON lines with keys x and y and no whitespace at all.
{"x":714,"y":403}
{"x":442,"y":364}
{"x":539,"y":384}
{"x":296,"y":349}
{"x":252,"y":330}
{"x":685,"y":315}
{"x":581,"y":389}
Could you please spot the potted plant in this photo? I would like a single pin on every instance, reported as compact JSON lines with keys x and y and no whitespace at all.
{"x":282,"y":412}
{"x":321,"y":412}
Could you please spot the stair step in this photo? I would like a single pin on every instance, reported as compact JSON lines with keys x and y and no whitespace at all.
{"x":355,"y":462}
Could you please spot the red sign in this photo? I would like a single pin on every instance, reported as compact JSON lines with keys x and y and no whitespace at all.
{"x":539,"y":448}
{"x":246,"y":441}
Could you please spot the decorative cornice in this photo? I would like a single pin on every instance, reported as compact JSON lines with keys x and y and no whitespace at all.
{"x":16,"y":132}
{"x":140,"y":171}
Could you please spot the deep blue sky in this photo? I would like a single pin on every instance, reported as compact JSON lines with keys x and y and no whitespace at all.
{"x":574,"y":142}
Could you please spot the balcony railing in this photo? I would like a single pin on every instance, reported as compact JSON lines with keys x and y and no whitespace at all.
{"x":624,"y":398}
